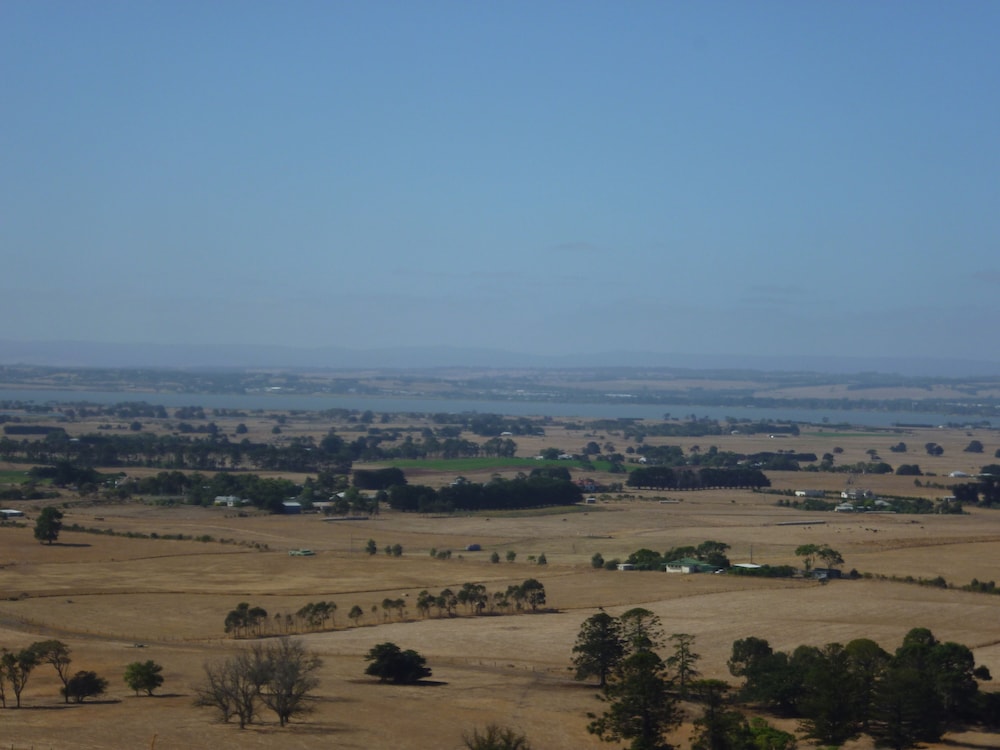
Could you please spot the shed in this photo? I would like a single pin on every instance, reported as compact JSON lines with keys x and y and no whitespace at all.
{"x":10,"y":513}
{"x":291,"y":507}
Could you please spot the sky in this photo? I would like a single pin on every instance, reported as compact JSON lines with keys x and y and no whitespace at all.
{"x":767,"y":178}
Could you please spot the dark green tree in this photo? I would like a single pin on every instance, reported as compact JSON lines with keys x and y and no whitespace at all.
{"x":866,"y":662}
{"x":772,"y":679}
{"x":83,"y":685}
{"x":599,"y":648}
{"x":682,"y":661}
{"x":641,"y":707}
{"x":829,"y":702}
{"x":641,"y":630}
{"x":143,"y":676}
{"x":906,"y":709}
{"x":48,"y":525}
{"x":718,"y":728}
{"x":391,"y":664}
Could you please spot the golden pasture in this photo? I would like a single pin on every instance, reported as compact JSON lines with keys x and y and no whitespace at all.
{"x":102,"y":595}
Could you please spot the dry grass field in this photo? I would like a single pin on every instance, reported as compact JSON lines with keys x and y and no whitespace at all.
{"x":105,"y":594}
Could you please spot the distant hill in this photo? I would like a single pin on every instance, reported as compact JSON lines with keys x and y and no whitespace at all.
{"x":93,"y":354}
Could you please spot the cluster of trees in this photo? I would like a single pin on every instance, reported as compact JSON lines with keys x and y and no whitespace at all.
{"x":642,"y":690}
{"x":985,"y":492}
{"x":709,"y":552}
{"x":278,"y":675}
{"x":840,"y":692}
{"x":533,"y":491}
{"x":666,"y":478}
{"x":810,"y":553}
{"x":16,"y":667}
{"x":213,"y":451}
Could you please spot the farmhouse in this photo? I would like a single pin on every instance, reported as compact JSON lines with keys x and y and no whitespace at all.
{"x":688,"y":565}
{"x":809,"y":493}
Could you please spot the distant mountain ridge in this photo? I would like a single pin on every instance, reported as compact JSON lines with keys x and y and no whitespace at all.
{"x":235,"y":356}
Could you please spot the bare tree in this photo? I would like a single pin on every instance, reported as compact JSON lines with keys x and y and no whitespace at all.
{"x":278,"y":675}
{"x":232,"y":686}
{"x":289,"y":669}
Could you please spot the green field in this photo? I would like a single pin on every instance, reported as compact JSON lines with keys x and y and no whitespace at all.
{"x":13,"y":477}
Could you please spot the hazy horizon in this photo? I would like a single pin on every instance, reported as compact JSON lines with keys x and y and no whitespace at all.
{"x":775,"y":181}
{"x":103,"y":355}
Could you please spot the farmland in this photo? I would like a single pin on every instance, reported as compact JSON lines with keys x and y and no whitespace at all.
{"x":163,"y":575}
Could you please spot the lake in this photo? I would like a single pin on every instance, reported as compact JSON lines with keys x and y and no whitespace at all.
{"x":379,"y":404}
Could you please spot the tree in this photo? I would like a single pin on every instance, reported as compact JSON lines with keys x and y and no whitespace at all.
{"x":48,"y":525}
{"x":682,"y":661}
{"x":391,"y":664}
{"x":905,"y":710}
{"x":829,"y":701}
{"x":533,"y":592}
{"x":974,"y":446}
{"x":55,"y":653}
{"x":718,"y":728}
{"x":830,"y":557}
{"x":511,"y":555}
{"x":16,"y":668}
{"x":143,"y":675}
{"x":245,"y":619}
{"x":287,"y":669}
{"x":641,"y":630}
{"x":356,"y":614}
{"x":370,"y":547}
{"x":866,"y":662}
{"x":808,"y":554}
{"x":599,"y":648}
{"x":641,"y":708}
{"x":232,"y":686}
{"x":83,"y":685}
{"x":495,"y":737}
{"x":597,"y":561}
{"x":771,"y":678}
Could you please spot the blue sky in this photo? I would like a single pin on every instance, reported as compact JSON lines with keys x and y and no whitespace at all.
{"x":787,"y":178}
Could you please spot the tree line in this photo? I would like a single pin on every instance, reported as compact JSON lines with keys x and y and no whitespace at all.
{"x":534,"y":491}
{"x":251,"y":621}
{"x":915,"y":694}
